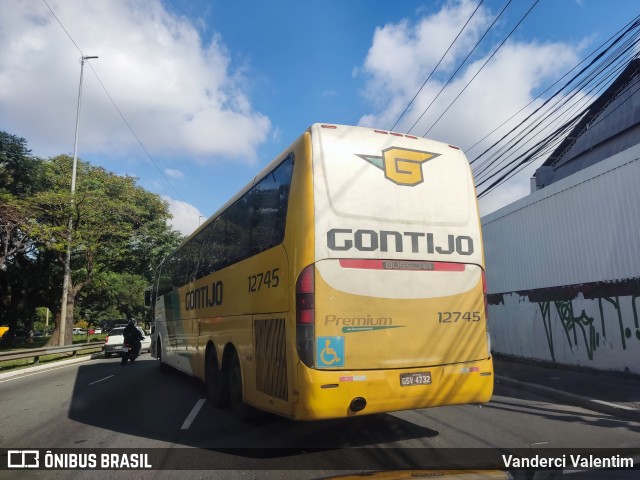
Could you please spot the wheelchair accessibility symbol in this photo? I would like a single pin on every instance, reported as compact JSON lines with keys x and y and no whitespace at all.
{"x":330,"y":351}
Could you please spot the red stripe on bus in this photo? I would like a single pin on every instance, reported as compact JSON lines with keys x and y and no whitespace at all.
{"x":361,"y":264}
{"x":380,"y":265}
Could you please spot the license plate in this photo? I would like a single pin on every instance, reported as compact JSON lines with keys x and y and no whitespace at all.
{"x":418,"y":378}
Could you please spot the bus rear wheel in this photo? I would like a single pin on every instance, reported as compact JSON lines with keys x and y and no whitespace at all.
{"x":243,"y":411}
{"x":164,"y":368}
{"x":216,"y":382}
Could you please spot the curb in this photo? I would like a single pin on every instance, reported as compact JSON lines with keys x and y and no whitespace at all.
{"x":40,"y":368}
{"x":588,"y":403}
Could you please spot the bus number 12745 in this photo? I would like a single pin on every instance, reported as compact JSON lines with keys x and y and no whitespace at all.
{"x":268,"y":279}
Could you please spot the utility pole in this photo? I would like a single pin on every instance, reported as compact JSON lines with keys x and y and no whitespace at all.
{"x":67,"y":262}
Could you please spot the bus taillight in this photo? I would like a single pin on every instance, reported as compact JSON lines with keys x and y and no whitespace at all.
{"x":305,"y":315}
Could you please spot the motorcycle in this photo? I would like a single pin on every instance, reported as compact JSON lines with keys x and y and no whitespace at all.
{"x":129,"y":353}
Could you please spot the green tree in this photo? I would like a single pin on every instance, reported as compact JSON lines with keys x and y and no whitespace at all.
{"x":113,"y":219}
{"x":20,"y":173}
{"x":20,"y":176}
{"x":14,"y":229}
{"x":114,"y":295}
{"x":119,"y":237}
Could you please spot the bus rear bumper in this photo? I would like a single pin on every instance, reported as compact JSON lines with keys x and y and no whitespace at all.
{"x":327,"y":394}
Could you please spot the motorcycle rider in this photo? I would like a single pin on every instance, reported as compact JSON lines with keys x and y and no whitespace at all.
{"x":132,"y":336}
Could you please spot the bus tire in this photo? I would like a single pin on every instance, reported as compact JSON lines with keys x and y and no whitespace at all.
{"x":216,"y":382}
{"x":164,"y":368}
{"x":243,"y":411}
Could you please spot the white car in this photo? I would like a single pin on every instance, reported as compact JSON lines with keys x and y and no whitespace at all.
{"x":115,"y":339}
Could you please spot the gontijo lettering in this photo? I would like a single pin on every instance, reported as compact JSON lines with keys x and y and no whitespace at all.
{"x":344,"y":239}
{"x":204,"y":297}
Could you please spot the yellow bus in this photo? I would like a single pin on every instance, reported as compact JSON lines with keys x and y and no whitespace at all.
{"x":346,"y":279}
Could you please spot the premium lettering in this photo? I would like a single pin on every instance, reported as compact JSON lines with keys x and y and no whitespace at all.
{"x":357,"y":321}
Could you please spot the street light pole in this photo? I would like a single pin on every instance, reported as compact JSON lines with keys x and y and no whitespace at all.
{"x":67,"y":262}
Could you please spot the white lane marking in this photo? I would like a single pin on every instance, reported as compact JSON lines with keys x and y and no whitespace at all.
{"x":19,"y":375}
{"x":101,"y":380}
{"x":192,"y":415}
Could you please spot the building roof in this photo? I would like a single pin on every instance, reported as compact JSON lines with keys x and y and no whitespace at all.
{"x":610,"y":124}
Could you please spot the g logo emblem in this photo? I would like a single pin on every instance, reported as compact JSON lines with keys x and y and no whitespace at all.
{"x":404,"y":167}
{"x":401,"y":166}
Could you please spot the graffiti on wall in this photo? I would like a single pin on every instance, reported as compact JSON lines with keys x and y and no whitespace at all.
{"x":580,"y":329}
{"x":607,"y":326}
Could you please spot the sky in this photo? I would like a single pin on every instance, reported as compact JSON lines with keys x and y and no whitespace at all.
{"x":194,"y":97}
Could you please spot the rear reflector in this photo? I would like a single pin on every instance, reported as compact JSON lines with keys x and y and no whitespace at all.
{"x":395,"y":134}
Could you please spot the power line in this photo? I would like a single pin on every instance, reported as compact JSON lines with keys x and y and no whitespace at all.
{"x":65,"y":30}
{"x":134,"y":134}
{"x":573,"y":79}
{"x":437,"y":65}
{"x":531,"y":154}
{"x":460,"y":66}
{"x":598,"y":77}
{"x":582,"y":103}
{"x":523,"y":165}
{"x":549,"y":143}
{"x":115,"y":105}
{"x":468,"y":149}
{"x":576,"y":99}
{"x":481,"y":68}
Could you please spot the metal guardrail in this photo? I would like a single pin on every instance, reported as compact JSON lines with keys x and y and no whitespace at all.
{"x":36,"y":353}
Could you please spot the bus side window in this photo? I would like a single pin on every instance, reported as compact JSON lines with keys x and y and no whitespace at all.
{"x":270,"y":208}
{"x":238,"y":225}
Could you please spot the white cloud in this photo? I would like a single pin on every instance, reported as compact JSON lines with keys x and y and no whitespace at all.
{"x":178,"y":93}
{"x":178,"y":174}
{"x":403,"y":54}
{"x":508,"y":192}
{"x":186,"y":217}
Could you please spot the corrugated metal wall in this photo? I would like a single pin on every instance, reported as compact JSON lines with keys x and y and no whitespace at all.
{"x":563,"y":269}
{"x":584,"y":228}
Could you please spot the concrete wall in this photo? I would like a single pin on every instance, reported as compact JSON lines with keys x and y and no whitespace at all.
{"x":563,"y":269}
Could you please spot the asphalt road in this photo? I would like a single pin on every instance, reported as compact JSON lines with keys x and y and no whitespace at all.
{"x":100,"y":404}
